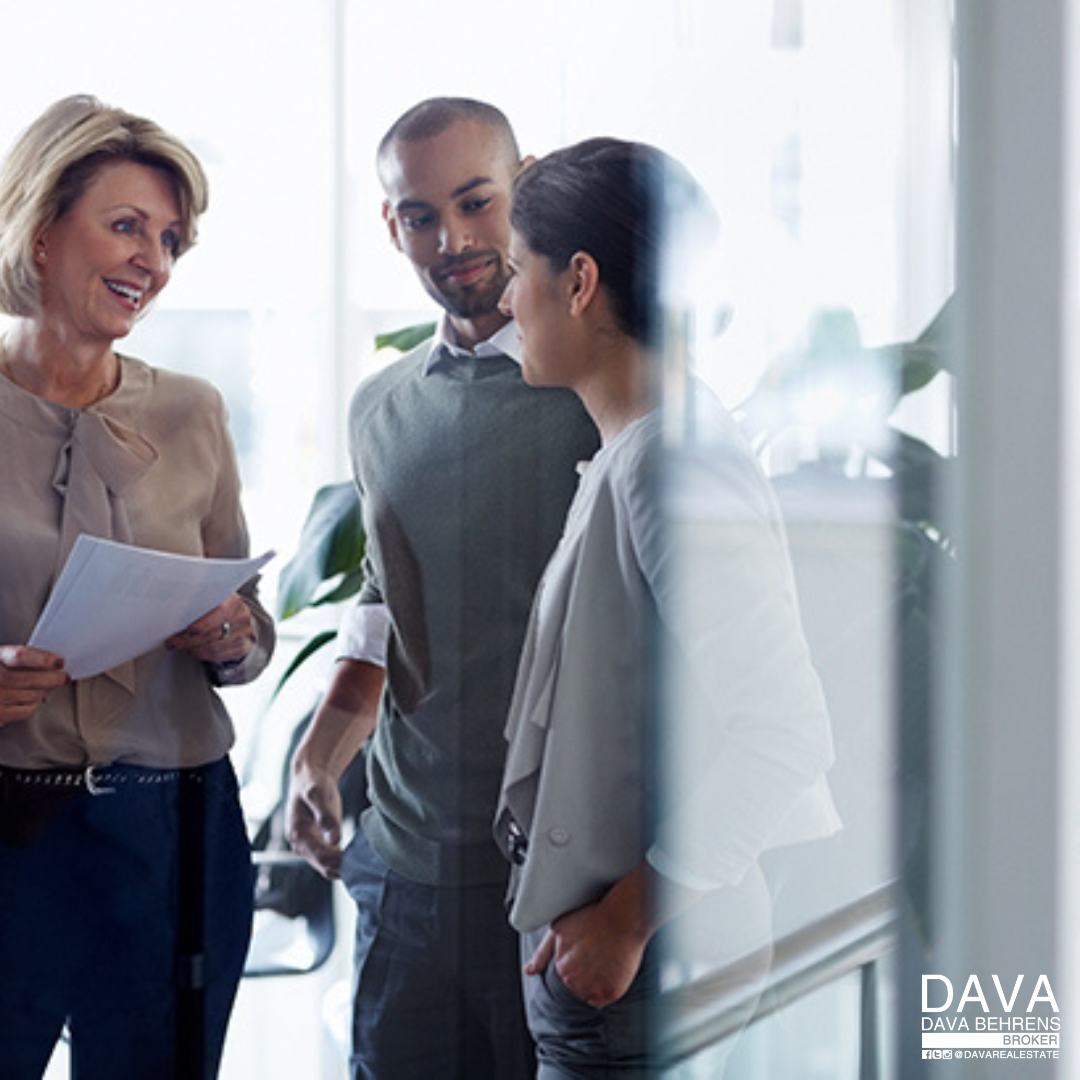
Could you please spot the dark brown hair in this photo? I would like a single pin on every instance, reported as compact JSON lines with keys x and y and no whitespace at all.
{"x":620,"y":202}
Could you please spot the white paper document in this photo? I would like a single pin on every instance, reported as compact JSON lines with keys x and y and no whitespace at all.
{"x":114,"y":602}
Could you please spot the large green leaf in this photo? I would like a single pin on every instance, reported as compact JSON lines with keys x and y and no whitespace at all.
{"x":406,"y":338}
{"x":331,"y":547}
{"x":860,"y":383}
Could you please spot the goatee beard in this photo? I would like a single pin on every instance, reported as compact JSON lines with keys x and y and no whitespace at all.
{"x":470,"y":303}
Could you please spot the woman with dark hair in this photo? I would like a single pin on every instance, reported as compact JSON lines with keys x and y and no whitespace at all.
{"x":125,"y":871}
{"x":621,"y":817}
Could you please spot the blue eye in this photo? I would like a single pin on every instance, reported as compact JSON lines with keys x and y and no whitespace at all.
{"x":170,"y":241}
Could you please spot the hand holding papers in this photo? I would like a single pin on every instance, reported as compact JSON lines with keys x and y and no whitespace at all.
{"x":114,"y":602}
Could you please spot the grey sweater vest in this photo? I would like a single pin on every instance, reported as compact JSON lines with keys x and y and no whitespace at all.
{"x":466,"y":474}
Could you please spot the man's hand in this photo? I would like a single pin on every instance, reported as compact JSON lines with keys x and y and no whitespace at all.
{"x":343,"y":721}
{"x":313,"y":819}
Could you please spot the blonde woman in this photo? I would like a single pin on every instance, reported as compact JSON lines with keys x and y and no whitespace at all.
{"x":125,"y":908}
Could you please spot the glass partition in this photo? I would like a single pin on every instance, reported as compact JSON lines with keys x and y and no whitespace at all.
{"x":823,"y":131}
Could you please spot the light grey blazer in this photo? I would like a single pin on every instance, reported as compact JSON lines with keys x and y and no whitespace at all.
{"x":733,"y":758}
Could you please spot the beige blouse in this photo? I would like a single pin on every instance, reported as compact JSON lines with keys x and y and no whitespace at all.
{"x":154,"y":465}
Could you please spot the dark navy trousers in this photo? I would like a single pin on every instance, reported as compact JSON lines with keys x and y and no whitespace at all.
{"x":126,"y":917}
{"x":438,"y":983}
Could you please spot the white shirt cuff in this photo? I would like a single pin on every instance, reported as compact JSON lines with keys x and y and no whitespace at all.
{"x":364,"y":633}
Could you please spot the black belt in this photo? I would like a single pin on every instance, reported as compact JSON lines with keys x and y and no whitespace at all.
{"x":97,"y":779}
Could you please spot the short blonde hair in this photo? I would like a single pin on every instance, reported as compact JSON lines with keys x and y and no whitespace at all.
{"x":53,"y":162}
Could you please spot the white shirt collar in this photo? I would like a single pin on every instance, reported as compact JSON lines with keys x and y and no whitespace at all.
{"x":504,"y":342}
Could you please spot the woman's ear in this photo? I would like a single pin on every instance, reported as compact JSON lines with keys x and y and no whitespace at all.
{"x":584,"y":282}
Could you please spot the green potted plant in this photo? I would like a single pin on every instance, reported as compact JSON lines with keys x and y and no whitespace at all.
{"x":326,"y":568}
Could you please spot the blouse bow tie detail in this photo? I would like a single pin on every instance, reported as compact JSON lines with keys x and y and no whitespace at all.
{"x":100,"y":462}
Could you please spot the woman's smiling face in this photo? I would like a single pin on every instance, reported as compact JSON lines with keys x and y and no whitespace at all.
{"x":110,"y":255}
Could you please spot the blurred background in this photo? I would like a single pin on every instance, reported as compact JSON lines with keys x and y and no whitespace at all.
{"x":826,"y":132}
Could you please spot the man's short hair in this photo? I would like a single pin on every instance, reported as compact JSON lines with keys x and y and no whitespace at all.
{"x":433,"y":116}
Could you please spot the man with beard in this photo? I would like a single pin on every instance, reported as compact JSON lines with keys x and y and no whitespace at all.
{"x":465,"y":474}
